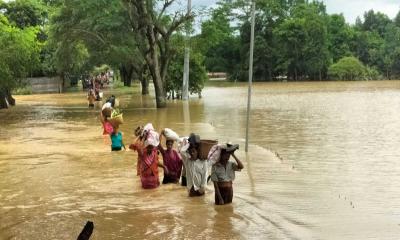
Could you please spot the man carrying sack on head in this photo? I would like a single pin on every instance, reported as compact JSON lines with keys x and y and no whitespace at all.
{"x":223,"y":172}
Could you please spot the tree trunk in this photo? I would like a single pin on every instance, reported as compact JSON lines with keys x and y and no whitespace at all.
{"x":123,"y":74}
{"x":126,"y":75}
{"x":140,"y":71}
{"x":9,"y":98}
{"x":62,"y":80}
{"x":161,"y":100}
{"x":128,"y":82}
{"x":270,"y":74}
{"x":154,"y":68}
{"x":155,"y":35}
{"x":3,"y":99}
{"x":145,"y":85}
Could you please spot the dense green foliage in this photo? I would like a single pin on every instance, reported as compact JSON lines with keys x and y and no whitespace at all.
{"x":197,"y":73}
{"x":144,"y":40}
{"x":347,"y":68}
{"x":298,"y":40}
{"x":19,"y":54}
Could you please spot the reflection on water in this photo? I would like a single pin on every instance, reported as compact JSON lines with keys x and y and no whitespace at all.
{"x":322,"y":165}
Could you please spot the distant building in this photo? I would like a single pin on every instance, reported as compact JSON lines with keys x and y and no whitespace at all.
{"x":217,"y":75}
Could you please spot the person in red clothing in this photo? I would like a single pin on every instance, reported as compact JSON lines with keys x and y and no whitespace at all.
{"x":149,"y":167}
{"x":148,"y":161}
{"x":172,"y":162}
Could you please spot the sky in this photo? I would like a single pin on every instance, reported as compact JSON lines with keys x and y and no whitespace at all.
{"x":353,"y":8}
{"x":350,"y":8}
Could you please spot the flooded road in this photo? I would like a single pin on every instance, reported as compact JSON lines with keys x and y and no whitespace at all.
{"x":322,"y":164}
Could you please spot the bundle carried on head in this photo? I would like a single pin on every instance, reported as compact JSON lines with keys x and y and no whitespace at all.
{"x":215,"y":152}
{"x":150,"y":136}
{"x":170,"y":134}
{"x":111,"y":100}
{"x":193,"y":141}
{"x":116,"y":117}
{"x":106,"y":110}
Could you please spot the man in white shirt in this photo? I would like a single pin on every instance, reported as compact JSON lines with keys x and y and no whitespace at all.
{"x":196,"y":169}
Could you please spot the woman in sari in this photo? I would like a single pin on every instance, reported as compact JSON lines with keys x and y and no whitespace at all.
{"x":148,"y":161}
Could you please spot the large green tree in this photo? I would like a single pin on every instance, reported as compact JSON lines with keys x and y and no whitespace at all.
{"x":154,"y":26}
{"x":339,"y":36}
{"x":24,"y":13}
{"x":103,"y":27}
{"x":197,"y":71}
{"x":19,"y":56}
{"x":217,"y":40}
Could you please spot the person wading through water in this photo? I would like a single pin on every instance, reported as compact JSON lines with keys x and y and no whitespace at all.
{"x":223,"y":173}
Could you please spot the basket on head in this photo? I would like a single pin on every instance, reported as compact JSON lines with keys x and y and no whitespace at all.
{"x":116,"y":120}
{"x":205,"y":146}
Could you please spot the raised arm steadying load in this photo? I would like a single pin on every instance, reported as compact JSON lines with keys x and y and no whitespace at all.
{"x":240,"y":164}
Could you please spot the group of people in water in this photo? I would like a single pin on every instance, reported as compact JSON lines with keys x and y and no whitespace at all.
{"x":184,"y":164}
{"x":94,"y":84}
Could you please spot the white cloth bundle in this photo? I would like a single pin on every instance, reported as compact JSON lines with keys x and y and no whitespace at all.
{"x":183,"y":144}
{"x":214,"y":154}
{"x":106,"y":105}
{"x":169,"y":134}
{"x":148,"y":127}
{"x":152,"y":137}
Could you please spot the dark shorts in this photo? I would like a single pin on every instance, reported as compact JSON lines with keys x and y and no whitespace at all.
{"x":226,"y":194}
{"x":116,"y":148}
{"x":183,"y":181}
{"x":194,"y":193}
{"x":91,"y":105}
{"x":169,"y":179}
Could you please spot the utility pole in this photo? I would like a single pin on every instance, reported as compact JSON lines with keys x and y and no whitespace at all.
{"x":185,"y":85}
{"x":253,"y":9}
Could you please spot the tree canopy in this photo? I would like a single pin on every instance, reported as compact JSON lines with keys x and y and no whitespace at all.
{"x":297,"y":40}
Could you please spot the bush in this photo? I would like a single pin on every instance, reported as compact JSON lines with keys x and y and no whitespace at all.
{"x":372,"y":74}
{"x":27,"y":90}
{"x":348,"y":68}
{"x":118,"y":84}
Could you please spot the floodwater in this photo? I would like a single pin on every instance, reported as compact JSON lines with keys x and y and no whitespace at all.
{"x":322,"y":164}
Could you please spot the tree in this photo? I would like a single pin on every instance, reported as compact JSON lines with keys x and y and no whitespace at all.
{"x":19,"y":55}
{"x":292,"y":36}
{"x":216,"y":29}
{"x":155,"y":28}
{"x":339,"y":35}
{"x":375,"y":22}
{"x":103,"y":28}
{"x":397,"y":19}
{"x":24,"y":13}
{"x":389,"y":50}
{"x":217,"y":41}
{"x":368,"y":47}
{"x":197,"y":72}
{"x":316,"y":48}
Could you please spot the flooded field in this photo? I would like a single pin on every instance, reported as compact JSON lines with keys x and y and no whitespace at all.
{"x":322,"y":164}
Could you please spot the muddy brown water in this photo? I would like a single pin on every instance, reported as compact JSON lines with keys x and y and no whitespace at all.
{"x":323,"y":163}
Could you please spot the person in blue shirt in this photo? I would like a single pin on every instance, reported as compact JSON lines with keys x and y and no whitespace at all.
{"x":116,"y":140}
